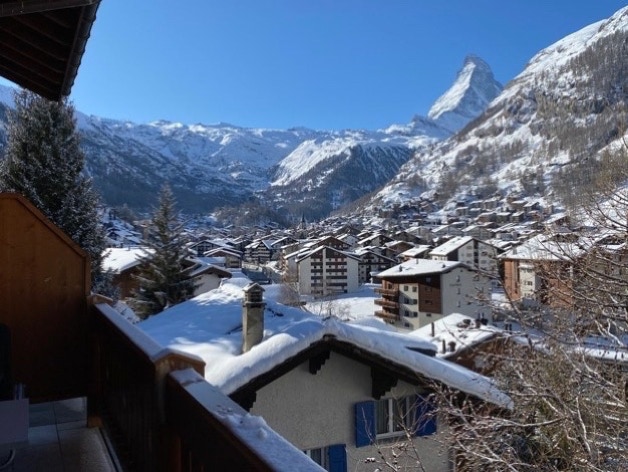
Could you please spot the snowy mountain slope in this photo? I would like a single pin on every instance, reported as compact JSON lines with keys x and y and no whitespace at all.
{"x":567,"y":106}
{"x":213,"y":166}
{"x":474,"y":88}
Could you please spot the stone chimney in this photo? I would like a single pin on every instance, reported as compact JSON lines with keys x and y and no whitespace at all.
{"x":252,"y":316}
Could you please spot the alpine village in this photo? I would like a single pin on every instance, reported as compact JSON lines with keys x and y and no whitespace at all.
{"x":449,"y":294}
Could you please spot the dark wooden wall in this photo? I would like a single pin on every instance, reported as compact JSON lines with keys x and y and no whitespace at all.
{"x":44,"y":284}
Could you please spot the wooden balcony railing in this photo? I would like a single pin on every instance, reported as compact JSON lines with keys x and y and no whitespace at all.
{"x":160,"y":412}
{"x":384,"y":302}
{"x":387,"y":292}
{"x":386,"y":315}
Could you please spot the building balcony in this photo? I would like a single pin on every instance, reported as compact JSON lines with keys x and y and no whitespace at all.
{"x":383,"y":302}
{"x":59,"y":439}
{"x":386,"y":315}
{"x":387,"y":292}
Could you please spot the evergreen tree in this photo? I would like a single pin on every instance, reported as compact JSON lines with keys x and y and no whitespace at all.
{"x":162,"y":282}
{"x":43,"y":161}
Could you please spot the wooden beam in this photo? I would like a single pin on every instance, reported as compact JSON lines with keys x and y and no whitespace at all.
{"x":25,"y":79}
{"x":22,"y":48}
{"x":52,"y":31}
{"x":317,"y":361}
{"x":246,"y":399}
{"x":8,"y":26}
{"x":37,"y":6}
{"x":382,"y":382}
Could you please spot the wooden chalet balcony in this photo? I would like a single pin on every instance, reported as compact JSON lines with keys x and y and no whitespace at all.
{"x":384,"y":302}
{"x":386,"y":315}
{"x":387,"y":292}
{"x":161,"y":413}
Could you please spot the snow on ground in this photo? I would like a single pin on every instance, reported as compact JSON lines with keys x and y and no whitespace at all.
{"x":356,"y":307}
{"x":210,"y":327}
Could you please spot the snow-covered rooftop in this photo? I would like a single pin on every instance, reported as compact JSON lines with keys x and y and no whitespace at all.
{"x":118,"y":260}
{"x":419,"y":267}
{"x":209,"y":326}
{"x":455,"y":328}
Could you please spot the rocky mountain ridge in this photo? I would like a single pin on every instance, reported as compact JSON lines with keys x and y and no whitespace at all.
{"x":210,"y":167}
{"x":543,"y":135}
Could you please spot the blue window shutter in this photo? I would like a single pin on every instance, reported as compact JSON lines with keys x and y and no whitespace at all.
{"x":337,"y":458}
{"x":425,"y":416}
{"x":364,"y":423}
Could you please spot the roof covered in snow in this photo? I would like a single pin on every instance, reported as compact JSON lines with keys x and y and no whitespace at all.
{"x":118,"y":260}
{"x":210,"y":326}
{"x":419,"y":267}
{"x":458,"y":329}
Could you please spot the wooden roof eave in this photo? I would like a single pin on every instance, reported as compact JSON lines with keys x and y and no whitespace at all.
{"x":43,"y":41}
{"x":83,"y":31}
{"x":383,"y":371}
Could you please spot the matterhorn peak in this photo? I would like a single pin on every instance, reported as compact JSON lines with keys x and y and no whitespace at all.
{"x":474,"y":88}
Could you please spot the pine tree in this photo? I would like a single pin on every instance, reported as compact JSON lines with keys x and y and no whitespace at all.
{"x":44,"y":162}
{"x":162,"y":282}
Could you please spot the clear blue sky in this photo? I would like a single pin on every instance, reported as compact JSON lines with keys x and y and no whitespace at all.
{"x":323,"y":64}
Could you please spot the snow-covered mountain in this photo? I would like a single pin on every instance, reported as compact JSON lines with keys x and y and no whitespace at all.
{"x":543,"y":134}
{"x":299,"y":170}
{"x":475,"y":87}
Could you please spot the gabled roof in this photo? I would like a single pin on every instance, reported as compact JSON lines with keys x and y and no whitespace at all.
{"x":308,"y":254}
{"x":418,"y":267}
{"x":120,"y":259}
{"x":210,"y":326}
{"x":452,"y":245}
{"x":42,"y":43}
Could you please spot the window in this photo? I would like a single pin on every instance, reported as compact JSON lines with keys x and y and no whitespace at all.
{"x":405,"y":288}
{"x":318,"y":455}
{"x":391,"y":417}
{"x":414,"y":289}
{"x":331,"y":458}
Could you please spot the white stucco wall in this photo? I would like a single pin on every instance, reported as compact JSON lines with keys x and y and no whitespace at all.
{"x":460,"y":290}
{"x":205,"y":283}
{"x":313,"y":411}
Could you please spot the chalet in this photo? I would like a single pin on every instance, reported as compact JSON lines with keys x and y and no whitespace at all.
{"x":473,"y":252}
{"x":418,"y":252}
{"x":205,"y":276}
{"x":471,"y":342}
{"x":259,"y":251}
{"x":371,"y":262}
{"x":530,"y":271}
{"x":199,"y":248}
{"x":377,"y":239}
{"x":334,"y":390}
{"x":393,"y":248}
{"x":333,"y":242}
{"x":350,"y":239}
{"x":124,"y":265}
{"x":232,"y":257}
{"x":327,"y":271}
{"x":419,"y":292}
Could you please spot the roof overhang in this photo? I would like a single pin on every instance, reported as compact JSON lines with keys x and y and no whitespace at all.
{"x":42,"y":43}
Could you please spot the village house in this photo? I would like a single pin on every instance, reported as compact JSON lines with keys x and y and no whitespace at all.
{"x":531,"y":270}
{"x":124,"y":266}
{"x":415,"y":293}
{"x":325,"y":271}
{"x":371,"y":262}
{"x":474,"y":343}
{"x":232,"y":258}
{"x":342,"y":393}
{"x":205,"y":276}
{"x":259,"y":251}
{"x":475,"y":253}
